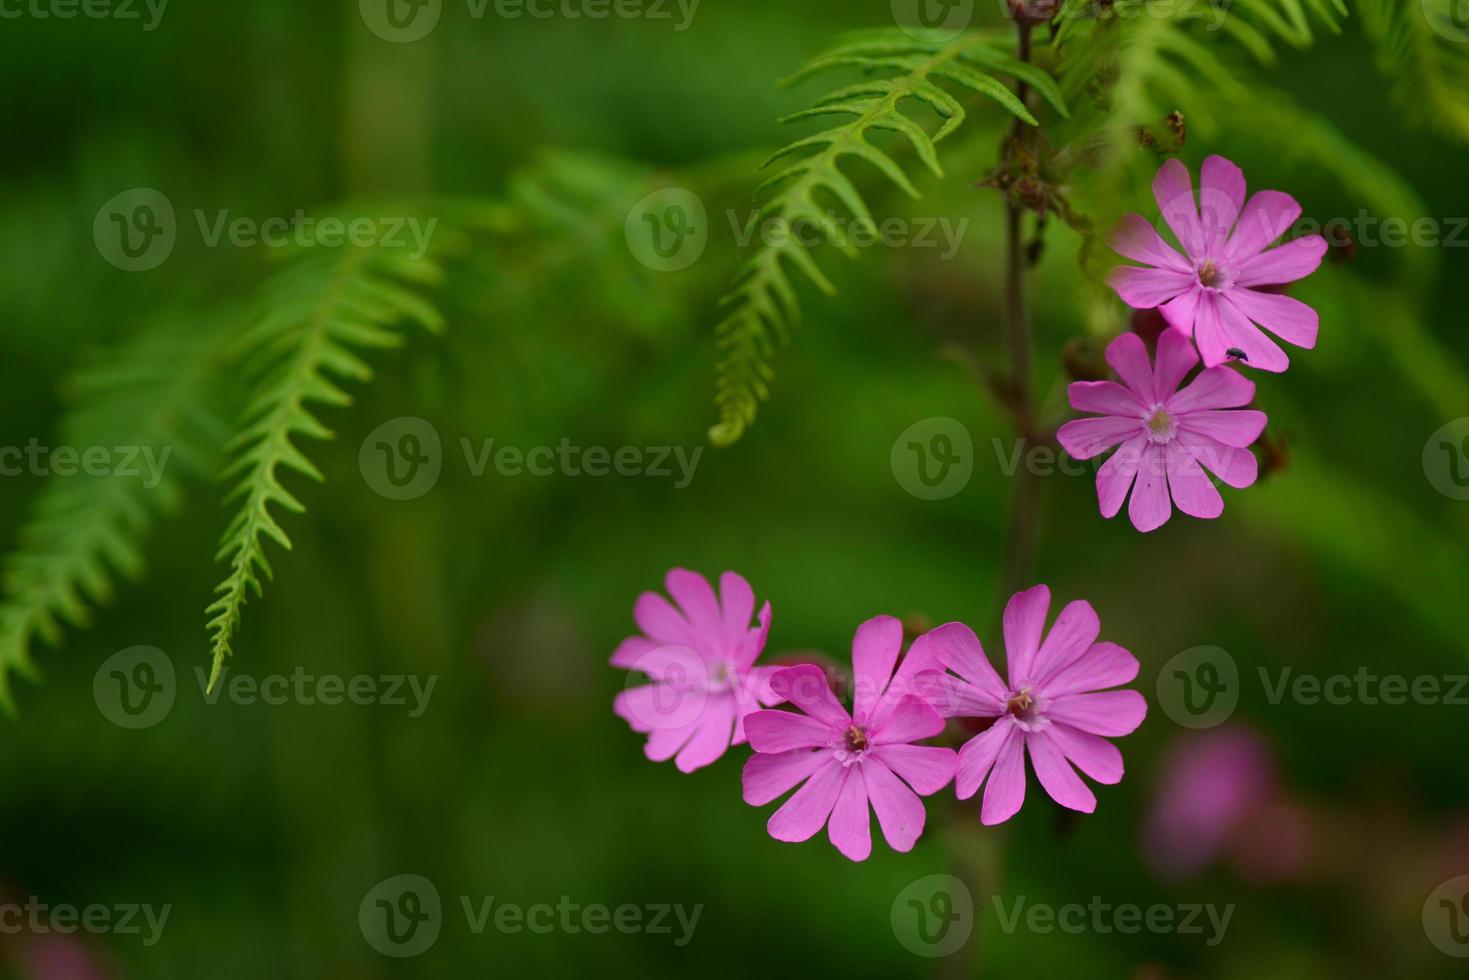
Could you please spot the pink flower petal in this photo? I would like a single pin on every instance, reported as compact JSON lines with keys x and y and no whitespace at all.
{"x":1174,"y":191}
{"x":1219,"y":387}
{"x":1239,"y":333}
{"x":1289,"y":319}
{"x":1294,"y":260}
{"x":663,"y":743}
{"x":1073,"y":633}
{"x":630,"y":649}
{"x":1056,"y":776}
{"x":1149,"y":508}
{"x":695,"y":596}
{"x":806,"y":687}
{"x":1144,"y":289}
{"x":1221,"y":196}
{"x":1104,"y":398}
{"x":769,"y":776}
{"x":1024,"y":623}
{"x":909,"y":720}
{"x":1116,"y":475}
{"x":955,"y":646}
{"x":753,"y":643}
{"x":1005,"y":792}
{"x":1109,"y":713}
{"x":1235,"y":427}
{"x":927,"y":768}
{"x":737,"y":607}
{"x":660,"y":706}
{"x":1192,"y":491}
{"x":1182,"y":311}
{"x":899,"y":812}
{"x":977,"y":756}
{"x":1265,"y":217}
{"x":1209,"y":331}
{"x":850,"y":829}
{"x":1176,"y":358}
{"x":1093,"y":755}
{"x":1128,"y":356}
{"x":1085,"y":438}
{"x":1103,"y":665}
{"x":662,"y":623}
{"x":801,"y":816}
{"x":1237,"y":467}
{"x":712,"y":736}
{"x":875,"y":650}
{"x":1135,"y":238}
{"x":773,"y":730}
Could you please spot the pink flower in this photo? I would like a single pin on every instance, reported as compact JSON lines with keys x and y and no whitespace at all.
{"x":1055,"y":707}
{"x":848,"y":761}
{"x":1216,"y":294}
{"x":1168,"y":437}
{"x":700,"y":656}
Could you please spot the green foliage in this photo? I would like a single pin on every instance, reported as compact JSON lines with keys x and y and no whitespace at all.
{"x":152,"y":394}
{"x":315,"y":316}
{"x":899,"y":69}
{"x":1426,"y":54}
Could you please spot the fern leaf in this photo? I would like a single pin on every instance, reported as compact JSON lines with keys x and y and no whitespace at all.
{"x":318,"y":314}
{"x":151,"y":396}
{"x":1426,"y":52}
{"x":900,"y":69}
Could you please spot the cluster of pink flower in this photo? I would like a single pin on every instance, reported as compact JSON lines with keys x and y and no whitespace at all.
{"x":1216,"y":295}
{"x":1060,"y":705}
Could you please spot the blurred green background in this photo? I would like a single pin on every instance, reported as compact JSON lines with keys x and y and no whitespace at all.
{"x":265,"y":826}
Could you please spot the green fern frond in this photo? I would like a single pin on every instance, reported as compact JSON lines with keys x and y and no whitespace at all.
{"x":151,"y":395}
{"x":899,"y":69}
{"x":317,"y":314}
{"x":1426,"y":52}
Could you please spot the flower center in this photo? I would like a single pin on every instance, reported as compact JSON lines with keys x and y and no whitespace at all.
{"x":720,"y":676}
{"x":1161,"y":427}
{"x":1212,"y":276}
{"x":1026,"y":707}
{"x":853,"y":745}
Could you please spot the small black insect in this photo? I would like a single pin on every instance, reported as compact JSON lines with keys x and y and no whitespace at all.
{"x":1235,"y":353}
